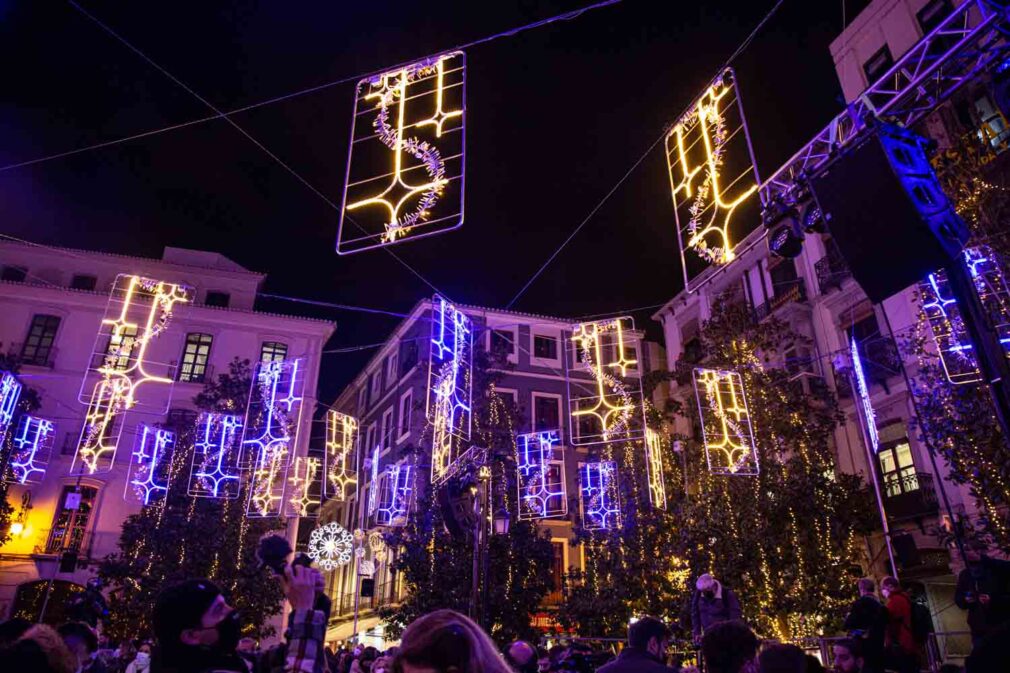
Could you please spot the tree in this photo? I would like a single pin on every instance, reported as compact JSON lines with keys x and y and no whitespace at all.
{"x":785,"y":541}
{"x":437,"y":569}
{"x":185,"y":537}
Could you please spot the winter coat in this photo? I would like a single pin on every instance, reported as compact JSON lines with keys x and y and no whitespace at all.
{"x":632,"y":660}
{"x":899,"y":626}
{"x":707,"y":611}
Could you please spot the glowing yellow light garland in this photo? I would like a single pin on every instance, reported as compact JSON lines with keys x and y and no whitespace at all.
{"x":725,"y":422}
{"x":341,"y":438}
{"x":613,"y":401}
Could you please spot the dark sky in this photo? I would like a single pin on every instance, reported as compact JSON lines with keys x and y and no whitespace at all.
{"x":556,"y":116}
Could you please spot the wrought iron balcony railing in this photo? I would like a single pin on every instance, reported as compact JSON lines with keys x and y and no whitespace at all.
{"x":831,"y":271}
{"x":785,"y":293}
{"x":909,"y":495}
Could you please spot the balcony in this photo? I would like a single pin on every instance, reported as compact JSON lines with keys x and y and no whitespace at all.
{"x":831,"y":270}
{"x":785,"y":293}
{"x":909,"y":496}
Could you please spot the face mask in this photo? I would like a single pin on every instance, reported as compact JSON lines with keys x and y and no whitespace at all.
{"x":229,"y":631}
{"x":709,"y":594}
{"x":143,"y":657}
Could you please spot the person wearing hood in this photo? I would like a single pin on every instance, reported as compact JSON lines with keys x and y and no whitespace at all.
{"x":712,"y":603}
{"x":648,"y":639}
{"x":198,"y":631}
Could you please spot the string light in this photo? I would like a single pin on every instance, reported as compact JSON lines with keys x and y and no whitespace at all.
{"x":10,"y":393}
{"x":330,"y":546}
{"x":341,"y":438}
{"x":304,"y":500}
{"x":696,"y":152}
{"x":396,"y":487}
{"x":654,"y":468}
{"x":541,"y":489}
{"x":601,"y":506}
{"x":725,"y":423}
{"x":139,"y":309}
{"x":148,"y":474}
{"x":216,"y":469}
{"x":398,"y":100}
{"x":450,"y":381}
{"x":864,"y":396}
{"x":604,"y":411}
{"x":271,"y":432}
{"x":32,"y":446}
{"x":373,"y":487}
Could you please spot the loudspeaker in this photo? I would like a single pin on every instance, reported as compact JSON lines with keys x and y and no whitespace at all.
{"x":68,"y":562}
{"x":367,"y":587}
{"x":886,"y":210}
{"x":458,"y":504}
{"x":906,"y":551}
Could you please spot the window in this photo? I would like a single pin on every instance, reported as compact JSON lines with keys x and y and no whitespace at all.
{"x":406,"y":411}
{"x":362,"y":399}
{"x":546,"y":412}
{"x":70,"y":524}
{"x":376,"y":385}
{"x":387,"y":429}
{"x":15,"y":274}
{"x":502,"y":342}
{"x":897,"y":467}
{"x":545,"y":347}
{"x":992,"y":124}
{"x":783,"y":277}
{"x":83,"y":282}
{"x":370,"y":439}
{"x":585,"y":426}
{"x":120,"y":348}
{"x":391,"y":369}
{"x":878,"y":64}
{"x":409,"y":357}
{"x":555,"y":597}
{"x":194,"y":358}
{"x":933,"y":14}
{"x":215,"y":298}
{"x":510,"y":397}
{"x":38,"y":345}
{"x":273,"y":351}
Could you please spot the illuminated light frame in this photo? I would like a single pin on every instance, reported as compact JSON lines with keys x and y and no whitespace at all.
{"x":330,"y":546}
{"x":704,"y":211}
{"x":31,"y":449}
{"x":135,"y":303}
{"x":373,"y":484}
{"x":601,"y":498}
{"x":611,"y":399}
{"x":396,"y":487}
{"x":150,"y":468}
{"x":534,"y":456}
{"x":341,"y":440}
{"x":10,"y":393}
{"x":726,"y":427}
{"x":306,"y":487}
{"x":411,"y":209}
{"x":272,"y":424}
{"x":869,"y":415}
{"x":216,"y":468}
{"x":448,"y":405}
{"x":654,"y":468}
{"x":944,"y":315}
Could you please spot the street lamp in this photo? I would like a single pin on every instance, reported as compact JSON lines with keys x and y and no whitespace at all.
{"x":501,"y":521}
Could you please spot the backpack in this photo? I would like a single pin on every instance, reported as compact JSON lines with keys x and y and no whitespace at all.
{"x":922,"y":622}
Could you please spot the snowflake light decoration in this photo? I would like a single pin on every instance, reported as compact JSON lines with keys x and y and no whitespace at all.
{"x":725,"y":423}
{"x":272,"y":423}
{"x":149,"y":472}
{"x":712,"y":175}
{"x":10,"y":393}
{"x":601,"y":505}
{"x":216,"y":471}
{"x":330,"y":546}
{"x":405,"y":169}
{"x":654,"y":468}
{"x":605,"y":397}
{"x":122,"y":374}
{"x":541,"y":485}
{"x":341,"y":443}
{"x":31,"y":448}
{"x":450,"y":381}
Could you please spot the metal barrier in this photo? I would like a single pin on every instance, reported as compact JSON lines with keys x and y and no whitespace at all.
{"x":947,"y":647}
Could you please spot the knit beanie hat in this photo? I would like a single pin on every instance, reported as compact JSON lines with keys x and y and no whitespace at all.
{"x":180,"y":607}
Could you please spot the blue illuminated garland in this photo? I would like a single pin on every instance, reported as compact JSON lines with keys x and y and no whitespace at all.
{"x":538,"y":497}
{"x":216,"y":471}
{"x":450,"y":379}
{"x":31,"y":445}
{"x":150,"y":464}
{"x":601,"y":506}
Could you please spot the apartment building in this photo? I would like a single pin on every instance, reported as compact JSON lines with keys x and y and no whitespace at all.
{"x":815,"y":294}
{"x":52,"y":301}
{"x":388,"y":399}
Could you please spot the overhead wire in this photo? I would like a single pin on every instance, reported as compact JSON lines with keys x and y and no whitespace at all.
{"x":565,"y":16}
{"x":736,"y":53}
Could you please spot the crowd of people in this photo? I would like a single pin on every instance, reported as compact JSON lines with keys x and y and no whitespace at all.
{"x":196,"y":630}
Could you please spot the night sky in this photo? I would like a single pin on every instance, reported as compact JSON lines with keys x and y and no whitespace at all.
{"x":556,"y":116}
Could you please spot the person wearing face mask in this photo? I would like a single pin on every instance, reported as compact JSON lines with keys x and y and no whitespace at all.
{"x":198,"y":631}
{"x":142,"y":662}
{"x":648,"y":639}
{"x":712,"y":603}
